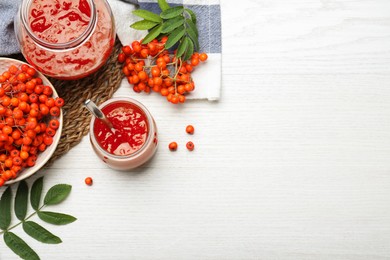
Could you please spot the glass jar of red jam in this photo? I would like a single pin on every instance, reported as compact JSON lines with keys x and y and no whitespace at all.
{"x":133,"y":139}
{"x":65,"y":39}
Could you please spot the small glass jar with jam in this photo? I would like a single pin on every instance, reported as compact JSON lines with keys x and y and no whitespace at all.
{"x":133,"y":139}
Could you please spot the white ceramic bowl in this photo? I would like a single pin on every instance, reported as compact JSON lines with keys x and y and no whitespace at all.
{"x":43,"y":157}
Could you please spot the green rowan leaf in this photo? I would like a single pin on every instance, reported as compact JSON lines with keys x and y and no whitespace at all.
{"x":152,"y":34}
{"x":21,"y":200}
{"x":143,"y":25}
{"x":193,"y":36}
{"x":171,"y":24}
{"x":163,"y":5}
{"x":36,"y":193}
{"x":19,"y":247}
{"x":172,"y":12}
{"x":191,"y":26}
{"x":57,"y":194}
{"x":147,"y":15}
{"x":56,"y":218}
{"x":5,"y":209}
{"x":40,"y":233}
{"x":189,"y":51}
{"x":192,"y":14}
{"x":182,"y":47}
{"x":174,"y":37}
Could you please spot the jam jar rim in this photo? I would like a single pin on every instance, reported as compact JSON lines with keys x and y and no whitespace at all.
{"x":150,"y":125}
{"x":24,"y":14}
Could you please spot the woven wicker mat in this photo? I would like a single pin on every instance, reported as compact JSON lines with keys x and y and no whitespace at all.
{"x":98,"y":87}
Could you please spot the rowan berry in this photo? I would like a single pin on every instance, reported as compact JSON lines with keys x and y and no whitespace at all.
{"x":16,"y":134}
{"x":190,"y":129}
{"x":47,"y":90}
{"x":14,"y":153}
{"x":34,"y":98}
{"x":13,"y":69}
{"x":121,"y":58}
{"x":88,"y":181}
{"x":17,"y":113}
{"x":138,"y":67}
{"x":127,"y":50}
{"x":190,"y":146}
{"x":55,"y":111}
{"x":155,"y":72}
{"x":17,"y":161}
{"x":50,"y":131}
{"x":181,"y":89}
{"x":144,"y":53}
{"x":54,"y":123}
{"x":203,"y":56}
{"x":7,"y":130}
{"x":157,"y":81}
{"x":42,"y":147}
{"x":21,"y":77}
{"x":8,"y":163}
{"x":194,"y":62}
{"x":31,"y":160}
{"x":182,"y":98}
{"x":6,"y":101}
{"x":50,"y":102}
{"x":38,"y":89}
{"x":48,"y":140}
{"x":44,"y":109}
{"x":142,"y":75}
{"x":59,"y":102}
{"x":172,"y":146}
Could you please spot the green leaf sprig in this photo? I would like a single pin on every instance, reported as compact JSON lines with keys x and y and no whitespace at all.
{"x":55,"y":195}
{"x":178,"y":23}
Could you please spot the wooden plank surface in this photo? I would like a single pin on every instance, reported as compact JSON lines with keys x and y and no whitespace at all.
{"x":292,"y":163}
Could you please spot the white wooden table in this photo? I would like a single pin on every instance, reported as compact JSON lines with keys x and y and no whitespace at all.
{"x":292,"y":163}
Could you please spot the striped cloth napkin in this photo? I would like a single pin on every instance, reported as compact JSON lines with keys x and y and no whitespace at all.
{"x":207,"y":76}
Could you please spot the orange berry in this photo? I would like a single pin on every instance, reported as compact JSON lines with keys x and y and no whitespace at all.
{"x":190,"y":146}
{"x":203,"y":56}
{"x":88,"y":181}
{"x":182,"y":98}
{"x":142,"y":75}
{"x":155,"y":72}
{"x":121,"y":57}
{"x":172,"y":146}
{"x":24,"y":155}
{"x":194,"y":61}
{"x":175,"y":99}
{"x":190,"y":129}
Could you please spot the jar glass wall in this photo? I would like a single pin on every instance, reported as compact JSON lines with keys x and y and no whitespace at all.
{"x":65,"y":39}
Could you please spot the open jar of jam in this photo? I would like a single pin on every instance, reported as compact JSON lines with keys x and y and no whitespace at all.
{"x":65,"y":39}
{"x":133,"y":139}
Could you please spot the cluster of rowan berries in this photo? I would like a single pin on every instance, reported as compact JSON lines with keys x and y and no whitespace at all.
{"x":28,"y":119}
{"x":150,"y":67}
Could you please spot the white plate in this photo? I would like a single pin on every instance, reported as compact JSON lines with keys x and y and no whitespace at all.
{"x":43,"y":157}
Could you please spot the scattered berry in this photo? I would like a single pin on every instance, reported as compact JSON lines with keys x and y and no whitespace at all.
{"x":190,"y":129}
{"x":88,"y":181}
{"x":173,"y":146}
{"x":190,"y":146}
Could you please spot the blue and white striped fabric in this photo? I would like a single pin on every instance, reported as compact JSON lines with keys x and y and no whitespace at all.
{"x":207,"y":77}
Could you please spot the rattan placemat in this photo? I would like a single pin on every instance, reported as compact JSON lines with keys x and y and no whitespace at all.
{"x":98,"y":87}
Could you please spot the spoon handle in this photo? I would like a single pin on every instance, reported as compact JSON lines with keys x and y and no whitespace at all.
{"x":91,"y":106}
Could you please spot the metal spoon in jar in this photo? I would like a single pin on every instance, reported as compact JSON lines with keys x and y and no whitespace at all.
{"x":91,"y":106}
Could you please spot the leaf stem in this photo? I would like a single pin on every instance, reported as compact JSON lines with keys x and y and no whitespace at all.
{"x":27,"y":218}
